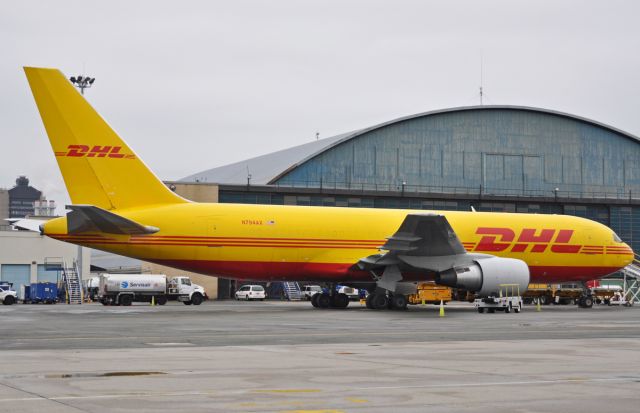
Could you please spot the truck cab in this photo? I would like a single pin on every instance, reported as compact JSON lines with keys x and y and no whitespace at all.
{"x":186,"y":291}
{"x":7,"y":295}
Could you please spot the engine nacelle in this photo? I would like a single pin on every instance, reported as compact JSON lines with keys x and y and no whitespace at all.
{"x":485,"y":276}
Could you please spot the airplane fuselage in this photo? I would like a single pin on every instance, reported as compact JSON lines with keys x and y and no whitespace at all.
{"x":268,"y":242}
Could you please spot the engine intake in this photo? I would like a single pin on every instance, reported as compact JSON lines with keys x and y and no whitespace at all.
{"x":485,"y":276}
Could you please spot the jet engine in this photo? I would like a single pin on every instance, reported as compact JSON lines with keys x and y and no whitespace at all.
{"x":485,"y":276}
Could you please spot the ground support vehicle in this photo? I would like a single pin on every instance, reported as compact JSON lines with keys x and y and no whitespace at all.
{"x":43,"y":292}
{"x":618,"y":298}
{"x":605,"y":293}
{"x":352,"y":293}
{"x":8,"y":296}
{"x":251,"y":292}
{"x":542,"y":293}
{"x":430,"y":293}
{"x":309,"y":290}
{"x":124,"y":289}
{"x":508,"y":299}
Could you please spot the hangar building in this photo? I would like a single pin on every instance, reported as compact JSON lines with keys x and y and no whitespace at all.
{"x":494,"y":158}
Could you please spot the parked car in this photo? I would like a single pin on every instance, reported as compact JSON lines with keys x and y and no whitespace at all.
{"x":251,"y":292}
{"x":308,"y":291}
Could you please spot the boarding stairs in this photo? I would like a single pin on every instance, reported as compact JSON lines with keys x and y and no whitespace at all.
{"x":292,"y":291}
{"x":631,"y":285}
{"x":72,"y":283}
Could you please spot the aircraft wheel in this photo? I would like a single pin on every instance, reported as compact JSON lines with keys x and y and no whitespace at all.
{"x":314,"y":300}
{"x":399,"y":302}
{"x":340,"y":301}
{"x":379,"y":301}
{"x":367,"y":301}
{"x":324,"y":300}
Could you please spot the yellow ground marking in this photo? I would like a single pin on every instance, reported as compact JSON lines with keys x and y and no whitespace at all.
{"x":288,"y":391}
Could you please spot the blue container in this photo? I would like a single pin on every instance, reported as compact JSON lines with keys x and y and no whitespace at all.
{"x":44,"y":292}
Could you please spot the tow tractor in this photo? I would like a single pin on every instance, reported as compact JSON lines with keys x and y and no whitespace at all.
{"x":508,"y":299}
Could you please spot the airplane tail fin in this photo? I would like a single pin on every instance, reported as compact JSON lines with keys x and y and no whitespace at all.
{"x":97,"y":165}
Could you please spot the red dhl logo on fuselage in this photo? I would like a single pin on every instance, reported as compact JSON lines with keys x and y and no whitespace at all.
{"x":86,"y":151}
{"x":536,"y":241}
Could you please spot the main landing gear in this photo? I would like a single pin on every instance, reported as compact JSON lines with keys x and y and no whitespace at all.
{"x":330,"y":300}
{"x":383,"y":300}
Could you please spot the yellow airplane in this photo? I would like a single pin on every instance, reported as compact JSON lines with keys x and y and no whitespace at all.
{"x":120,"y":206}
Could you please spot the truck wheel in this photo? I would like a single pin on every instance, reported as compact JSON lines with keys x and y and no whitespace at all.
{"x":161,"y":299}
{"x":196,"y":299}
{"x":8,"y":300}
{"x":186,"y":302}
{"x":491,"y":310}
{"x":125,"y":300}
{"x":480,"y":310}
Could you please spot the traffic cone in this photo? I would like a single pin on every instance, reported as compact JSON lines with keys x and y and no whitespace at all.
{"x":153,"y":300}
{"x":538,"y":305}
{"x":441,"y":308}
{"x":423,"y":302}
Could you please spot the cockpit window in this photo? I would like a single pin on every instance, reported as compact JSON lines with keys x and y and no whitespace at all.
{"x":616,"y":238}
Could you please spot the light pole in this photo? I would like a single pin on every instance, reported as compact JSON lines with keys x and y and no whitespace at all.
{"x":82,"y":82}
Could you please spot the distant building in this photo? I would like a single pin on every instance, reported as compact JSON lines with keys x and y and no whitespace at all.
{"x":22,"y":198}
{"x":4,"y":206}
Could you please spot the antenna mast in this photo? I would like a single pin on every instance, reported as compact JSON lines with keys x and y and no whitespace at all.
{"x":481,"y":92}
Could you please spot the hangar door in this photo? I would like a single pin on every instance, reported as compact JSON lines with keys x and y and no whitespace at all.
{"x":18,"y":274}
{"x":517,"y":173}
{"x":47,"y":276}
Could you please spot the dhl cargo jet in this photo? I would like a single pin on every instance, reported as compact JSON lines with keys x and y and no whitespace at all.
{"x":120,"y":206}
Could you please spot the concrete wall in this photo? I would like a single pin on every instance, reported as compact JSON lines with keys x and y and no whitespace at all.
{"x":197,"y":192}
{"x":30,"y":248}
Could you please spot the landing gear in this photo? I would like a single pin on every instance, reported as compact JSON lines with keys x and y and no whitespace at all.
{"x":586,"y":301}
{"x":398,"y":302}
{"x":325,"y":300}
{"x":377,"y":301}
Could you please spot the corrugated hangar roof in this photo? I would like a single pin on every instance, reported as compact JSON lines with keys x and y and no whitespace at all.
{"x":266,"y":169}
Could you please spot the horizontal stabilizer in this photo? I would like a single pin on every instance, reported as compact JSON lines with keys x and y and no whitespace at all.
{"x":26,"y":224}
{"x":89,"y":218}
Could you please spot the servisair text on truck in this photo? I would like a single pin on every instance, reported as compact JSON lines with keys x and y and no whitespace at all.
{"x":124,"y":289}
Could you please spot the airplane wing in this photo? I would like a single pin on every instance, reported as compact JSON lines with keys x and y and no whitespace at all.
{"x":26,"y":224}
{"x":89,"y":218}
{"x":423,"y":242}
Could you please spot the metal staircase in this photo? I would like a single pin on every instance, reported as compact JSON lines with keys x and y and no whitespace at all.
{"x":292,"y":291}
{"x":72,"y":283}
{"x":631,"y":285}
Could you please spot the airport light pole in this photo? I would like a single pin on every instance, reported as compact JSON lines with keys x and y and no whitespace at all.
{"x":82,"y":82}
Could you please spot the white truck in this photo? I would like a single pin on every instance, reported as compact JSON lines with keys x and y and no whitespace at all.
{"x":124,"y":289}
{"x":7,"y":295}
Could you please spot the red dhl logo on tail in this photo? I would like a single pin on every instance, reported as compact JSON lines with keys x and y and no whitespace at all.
{"x":86,"y":151}
{"x":503,"y":239}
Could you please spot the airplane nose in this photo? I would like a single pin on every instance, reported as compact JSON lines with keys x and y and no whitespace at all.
{"x":628,"y":258}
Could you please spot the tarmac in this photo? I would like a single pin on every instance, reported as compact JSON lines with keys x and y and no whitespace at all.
{"x":227,"y":356}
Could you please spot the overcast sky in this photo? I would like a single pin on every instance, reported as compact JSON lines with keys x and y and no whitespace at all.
{"x":192,"y":85}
